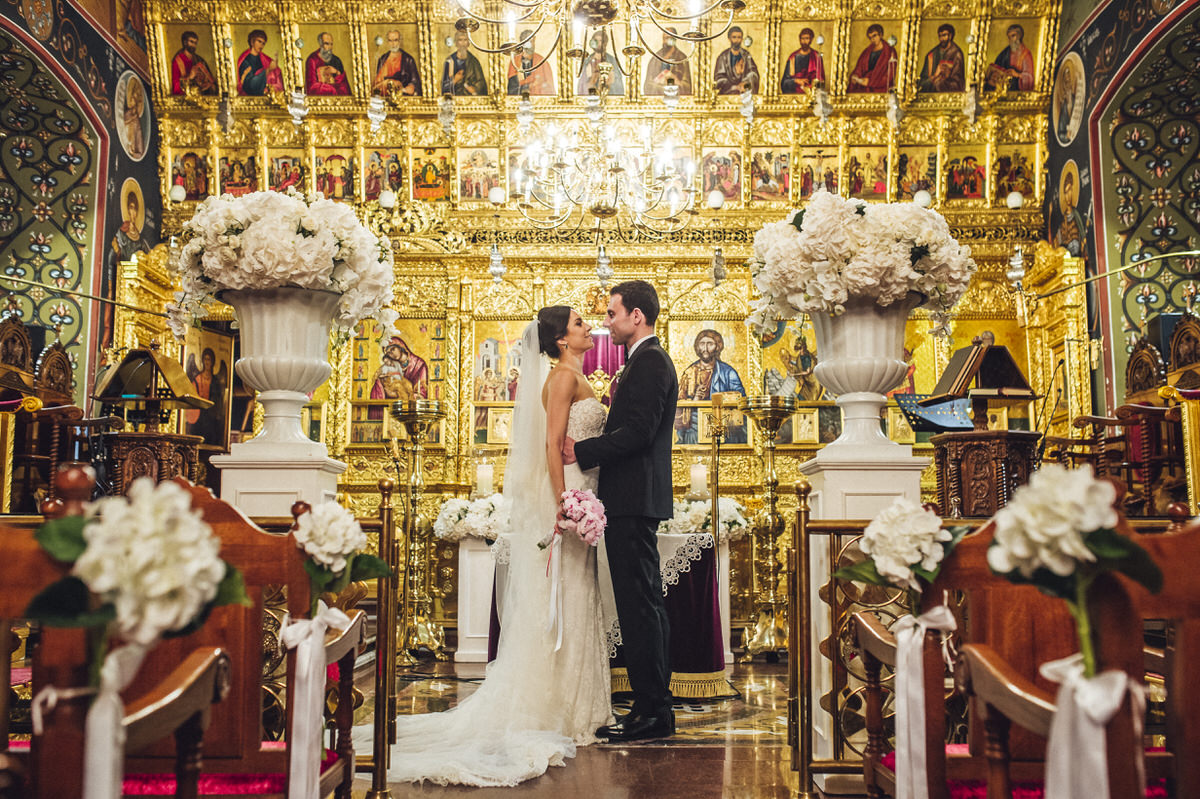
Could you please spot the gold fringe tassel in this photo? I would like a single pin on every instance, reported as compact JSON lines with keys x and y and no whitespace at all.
{"x":684,"y":685}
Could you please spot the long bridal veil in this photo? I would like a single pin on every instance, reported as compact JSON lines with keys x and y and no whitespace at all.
{"x":510,"y":729}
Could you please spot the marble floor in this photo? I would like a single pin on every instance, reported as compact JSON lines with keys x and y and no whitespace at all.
{"x":730,"y":748}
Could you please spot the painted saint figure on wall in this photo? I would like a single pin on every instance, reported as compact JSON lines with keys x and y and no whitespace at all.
{"x":256,"y":71}
{"x":804,"y":66}
{"x":396,"y":70}
{"x":1014,"y":64}
{"x":705,"y":376}
{"x":188,"y":68}
{"x":589,"y":75}
{"x":875,"y":70}
{"x":462,"y":73}
{"x":942,"y":70}
{"x":528,"y":70}
{"x":401,"y":374}
{"x":324,"y":73}
{"x":668,"y":63}
{"x":735,"y":67}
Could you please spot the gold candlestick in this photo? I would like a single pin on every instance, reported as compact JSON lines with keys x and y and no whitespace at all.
{"x":769,"y":632}
{"x":417,"y":627}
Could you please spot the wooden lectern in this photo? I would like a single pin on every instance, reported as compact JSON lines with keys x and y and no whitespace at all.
{"x":977,"y":470}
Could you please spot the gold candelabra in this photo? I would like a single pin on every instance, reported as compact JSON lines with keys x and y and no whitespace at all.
{"x":416,"y":624}
{"x":769,"y":632}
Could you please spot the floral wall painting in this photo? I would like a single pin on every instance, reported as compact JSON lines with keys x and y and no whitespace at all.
{"x":431,"y":174}
{"x":193,"y":64}
{"x":208,"y":361}
{"x":1014,"y":170}
{"x":966,"y":177}
{"x":239,"y":172}
{"x":667,"y":61}
{"x":529,"y":69}
{"x":1072,"y":229}
{"x":807,"y":60}
{"x":384,"y":171}
{"x":325,"y":50}
{"x":721,"y":170}
{"x":190,"y":170}
{"x":916,"y":170}
{"x":817,"y":167}
{"x":394,"y":68}
{"x":1067,"y":100}
{"x":737,"y":61}
{"x":943,"y":63}
{"x":334,"y":175}
{"x":131,"y":109}
{"x":770,"y":174}
{"x":287,"y":171}
{"x":478,"y":172}
{"x":873,"y":57}
{"x":256,"y":52}
{"x":1014,"y":64}
{"x":867,"y":173}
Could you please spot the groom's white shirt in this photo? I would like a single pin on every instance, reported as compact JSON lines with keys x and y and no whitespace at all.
{"x":635,"y":345}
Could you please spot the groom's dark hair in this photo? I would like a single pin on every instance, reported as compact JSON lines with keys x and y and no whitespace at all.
{"x":638,"y":294}
{"x":552,"y":325}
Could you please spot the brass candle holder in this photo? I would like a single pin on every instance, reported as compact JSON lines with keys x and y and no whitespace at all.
{"x":769,"y":632}
{"x":416,"y":624}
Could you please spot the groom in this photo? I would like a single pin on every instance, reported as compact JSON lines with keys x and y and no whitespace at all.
{"x":634,"y":456}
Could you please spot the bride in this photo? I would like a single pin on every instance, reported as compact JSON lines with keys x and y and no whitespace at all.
{"x":548,"y":689}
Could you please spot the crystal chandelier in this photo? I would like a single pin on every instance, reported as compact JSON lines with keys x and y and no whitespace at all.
{"x":584,"y":177}
{"x":576,"y":20}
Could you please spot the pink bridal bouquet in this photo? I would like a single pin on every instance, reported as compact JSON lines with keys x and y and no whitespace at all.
{"x":584,"y":514}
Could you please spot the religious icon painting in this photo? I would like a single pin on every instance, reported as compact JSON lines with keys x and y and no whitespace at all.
{"x":668,"y":60}
{"x":192,"y":57}
{"x":326,"y":53}
{"x":1066,"y":102}
{"x":739,"y":60}
{"x":898,"y":428}
{"x":478,"y":173}
{"x":432,"y":174}
{"x":256,"y":52}
{"x":495,"y":376}
{"x":287,"y":170}
{"x":874,"y":56}
{"x":334,"y":174}
{"x":460,"y":69}
{"x":966,"y":174}
{"x":711,"y":358}
{"x":131,"y":112}
{"x":239,"y":172}
{"x":499,"y":425}
{"x":770,"y":174}
{"x":394,"y":61}
{"x":530,"y":68}
{"x":208,"y":362}
{"x":600,"y":48}
{"x":806,"y":56}
{"x":190,"y":170}
{"x":385,"y":170}
{"x":1014,"y":170}
{"x":721,"y":170}
{"x":867,"y":173}
{"x":916,"y":170}
{"x":942,"y":67}
{"x":817,"y":167}
{"x":409,"y":365}
{"x":1011,"y":60}
{"x":1072,"y":229}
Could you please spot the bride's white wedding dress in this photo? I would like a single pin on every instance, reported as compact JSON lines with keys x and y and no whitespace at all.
{"x":536,"y":703}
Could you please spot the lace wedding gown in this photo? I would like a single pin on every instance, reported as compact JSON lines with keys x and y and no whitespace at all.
{"x":536,"y":704}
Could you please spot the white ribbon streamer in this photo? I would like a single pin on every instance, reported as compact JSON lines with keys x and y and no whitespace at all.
{"x":912,"y":781}
{"x":554,"y":567}
{"x":307,"y":636}
{"x":1076,"y":759}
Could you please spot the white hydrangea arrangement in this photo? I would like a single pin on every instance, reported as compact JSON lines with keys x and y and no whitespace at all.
{"x":837,"y":249}
{"x":696,"y":517}
{"x":333,"y":540}
{"x":145,"y":566}
{"x":1058,"y":532}
{"x":905,"y":545}
{"x":485,"y":517}
{"x":268,"y":239}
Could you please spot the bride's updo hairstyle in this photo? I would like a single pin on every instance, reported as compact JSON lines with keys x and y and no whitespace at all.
{"x":552,"y":325}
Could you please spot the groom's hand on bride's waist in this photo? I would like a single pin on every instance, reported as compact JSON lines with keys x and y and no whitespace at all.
{"x":568,"y":450}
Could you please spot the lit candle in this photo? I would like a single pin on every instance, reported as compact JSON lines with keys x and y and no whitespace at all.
{"x":699,"y":478}
{"x":484,"y":472}
{"x":577,"y":28}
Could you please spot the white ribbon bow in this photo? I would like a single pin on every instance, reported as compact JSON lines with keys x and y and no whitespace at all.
{"x":554,"y":572}
{"x":307,"y":636}
{"x":912,"y":781}
{"x":1076,"y":759}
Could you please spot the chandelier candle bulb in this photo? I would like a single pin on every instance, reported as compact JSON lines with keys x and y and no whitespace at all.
{"x":699,"y":475}
{"x":484,"y":476}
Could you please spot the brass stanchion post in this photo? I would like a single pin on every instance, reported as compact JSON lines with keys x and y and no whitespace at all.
{"x":385,"y":647}
{"x":801,"y":667}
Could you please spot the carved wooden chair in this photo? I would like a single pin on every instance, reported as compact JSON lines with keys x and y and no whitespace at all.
{"x":51,"y":764}
{"x":238,"y":760}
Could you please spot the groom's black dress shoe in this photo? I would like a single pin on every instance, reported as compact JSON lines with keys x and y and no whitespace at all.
{"x":639,"y":727}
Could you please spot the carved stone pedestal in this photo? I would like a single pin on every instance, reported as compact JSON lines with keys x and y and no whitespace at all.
{"x":977,"y":471}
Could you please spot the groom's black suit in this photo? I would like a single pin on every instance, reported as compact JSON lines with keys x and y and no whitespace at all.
{"x":634,"y":455}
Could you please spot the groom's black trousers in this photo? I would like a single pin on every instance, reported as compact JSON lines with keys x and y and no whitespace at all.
{"x":637,"y":583}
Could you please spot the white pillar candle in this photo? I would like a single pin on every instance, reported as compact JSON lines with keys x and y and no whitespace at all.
{"x":484,"y":472}
{"x":699,"y":478}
